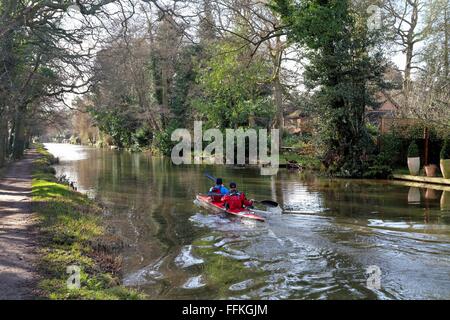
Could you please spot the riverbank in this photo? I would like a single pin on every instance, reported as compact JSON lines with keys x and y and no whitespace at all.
{"x":73,"y":235}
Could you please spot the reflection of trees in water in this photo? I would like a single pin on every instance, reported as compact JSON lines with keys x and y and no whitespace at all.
{"x":347,"y":198}
{"x":366,"y":199}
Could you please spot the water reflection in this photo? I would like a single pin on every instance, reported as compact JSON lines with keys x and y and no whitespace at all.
{"x":176,"y":250}
{"x":414,"y":195}
{"x":445,"y":200}
{"x":431,"y":194}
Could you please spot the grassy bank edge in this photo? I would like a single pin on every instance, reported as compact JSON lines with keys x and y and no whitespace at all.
{"x":73,"y":234}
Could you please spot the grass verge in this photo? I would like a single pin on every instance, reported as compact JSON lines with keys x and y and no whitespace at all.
{"x":74,"y":235}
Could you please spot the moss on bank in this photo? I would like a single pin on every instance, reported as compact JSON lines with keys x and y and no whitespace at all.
{"x":73,"y":234}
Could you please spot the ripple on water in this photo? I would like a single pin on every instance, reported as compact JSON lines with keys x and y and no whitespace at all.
{"x":242,"y":285}
{"x":147,"y":275}
{"x":251,"y":264}
{"x":220,"y":223}
{"x":233,"y":256}
{"x":226,"y":241}
{"x":186,"y":259}
{"x":194,"y":283}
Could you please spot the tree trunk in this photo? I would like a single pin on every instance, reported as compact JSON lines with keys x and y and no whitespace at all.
{"x":278,"y":93}
{"x":426,"y":137}
{"x":410,"y":50}
{"x":19,"y":134}
{"x":407,"y":81}
{"x":276,"y":53}
{"x":11,"y":137}
{"x":446,"y":44}
{"x":3,"y":140}
{"x":251,"y":121}
{"x":165,"y":93}
{"x":8,"y":64}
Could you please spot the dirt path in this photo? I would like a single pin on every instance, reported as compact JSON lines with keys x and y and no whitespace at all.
{"x":17,"y":232}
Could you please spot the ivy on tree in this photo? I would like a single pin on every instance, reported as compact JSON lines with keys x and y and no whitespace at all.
{"x":345,"y":67}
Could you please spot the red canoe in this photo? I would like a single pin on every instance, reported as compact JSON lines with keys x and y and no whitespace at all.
{"x":218,"y":207}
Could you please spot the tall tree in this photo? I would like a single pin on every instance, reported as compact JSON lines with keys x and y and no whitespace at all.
{"x":412,"y":23}
{"x":429,"y":98}
{"x":342,"y":70}
{"x":166,"y":46}
{"x":234,"y":87}
{"x":41,"y":58}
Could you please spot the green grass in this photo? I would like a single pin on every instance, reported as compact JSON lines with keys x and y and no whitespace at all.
{"x":401,"y":171}
{"x":73,"y":234}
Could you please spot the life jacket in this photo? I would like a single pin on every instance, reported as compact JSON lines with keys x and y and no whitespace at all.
{"x":217,"y":190}
{"x":233,"y":201}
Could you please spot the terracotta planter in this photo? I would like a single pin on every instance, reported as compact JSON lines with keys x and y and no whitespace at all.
{"x":414,"y":166}
{"x":430,"y":170}
{"x":445,"y":168}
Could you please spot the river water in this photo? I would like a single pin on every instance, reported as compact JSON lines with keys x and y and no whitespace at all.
{"x":342,"y":238}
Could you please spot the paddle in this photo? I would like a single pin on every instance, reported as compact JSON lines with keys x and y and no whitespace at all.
{"x":210,"y":177}
{"x":267,"y":203}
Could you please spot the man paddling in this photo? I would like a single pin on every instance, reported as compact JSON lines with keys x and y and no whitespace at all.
{"x":236,"y":200}
{"x":218,"y":189}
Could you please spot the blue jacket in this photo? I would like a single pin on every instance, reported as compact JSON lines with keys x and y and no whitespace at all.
{"x":223,"y":190}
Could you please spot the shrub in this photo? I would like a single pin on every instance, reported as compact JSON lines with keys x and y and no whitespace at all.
{"x":162,"y":140}
{"x":372,"y":129}
{"x":390,"y":149}
{"x":445,"y":151}
{"x":378,"y":170}
{"x":142,"y":137}
{"x":413,"y":150}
